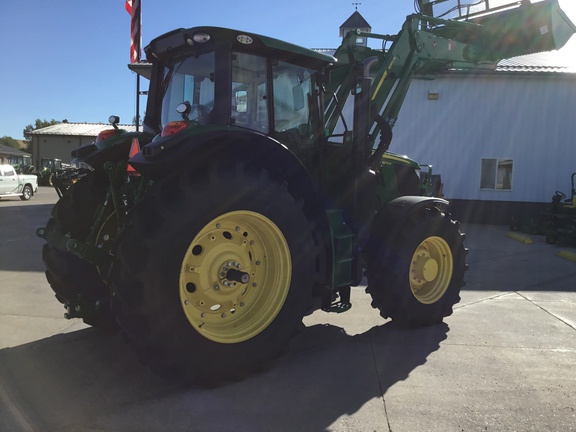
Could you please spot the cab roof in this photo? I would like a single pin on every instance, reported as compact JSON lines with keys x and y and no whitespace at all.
{"x":180,"y":40}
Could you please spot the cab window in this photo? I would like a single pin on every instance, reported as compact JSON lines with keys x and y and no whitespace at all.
{"x":292,"y":92}
{"x":191,"y":81}
{"x":249,"y":92}
{"x":293,"y":114}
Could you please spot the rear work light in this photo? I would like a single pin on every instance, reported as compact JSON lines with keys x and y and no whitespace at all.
{"x":174,"y":127}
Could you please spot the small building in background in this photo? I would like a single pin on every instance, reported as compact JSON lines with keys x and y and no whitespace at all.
{"x":58,"y":141}
{"x":9,"y":154}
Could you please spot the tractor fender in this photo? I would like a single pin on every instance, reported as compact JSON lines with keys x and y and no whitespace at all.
{"x":166,"y":155}
{"x":228,"y":146}
{"x":389,"y":220}
{"x":115,"y":148}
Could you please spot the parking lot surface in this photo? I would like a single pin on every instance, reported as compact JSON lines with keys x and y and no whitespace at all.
{"x":504,"y":361}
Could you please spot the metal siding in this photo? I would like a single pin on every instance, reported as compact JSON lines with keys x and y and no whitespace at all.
{"x":527,"y":119}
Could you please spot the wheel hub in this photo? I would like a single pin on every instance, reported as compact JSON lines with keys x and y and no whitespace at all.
{"x":235,"y":276}
{"x":425,"y":268}
{"x":230,"y":274}
{"x":431,"y":270}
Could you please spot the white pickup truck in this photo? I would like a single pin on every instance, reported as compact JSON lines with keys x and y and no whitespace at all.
{"x":20,"y":185}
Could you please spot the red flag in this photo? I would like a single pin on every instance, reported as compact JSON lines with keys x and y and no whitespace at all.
{"x":133,"y":8}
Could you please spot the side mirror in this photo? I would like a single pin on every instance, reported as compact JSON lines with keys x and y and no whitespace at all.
{"x":298,"y":95}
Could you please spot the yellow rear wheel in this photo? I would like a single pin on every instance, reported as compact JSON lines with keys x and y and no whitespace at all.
{"x":215,"y":270}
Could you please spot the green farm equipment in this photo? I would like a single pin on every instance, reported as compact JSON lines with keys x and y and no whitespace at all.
{"x":559,"y":222}
{"x":50,"y":169}
{"x":264,"y":189}
{"x":22,"y":164}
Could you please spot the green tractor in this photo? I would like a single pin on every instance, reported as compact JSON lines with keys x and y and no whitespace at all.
{"x":50,"y":169}
{"x":22,"y":164}
{"x":264,"y":189}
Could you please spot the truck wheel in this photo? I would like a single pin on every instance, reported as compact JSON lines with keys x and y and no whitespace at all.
{"x":26,"y":193}
{"x":416,"y":280}
{"x":68,"y":275}
{"x":214,"y":274}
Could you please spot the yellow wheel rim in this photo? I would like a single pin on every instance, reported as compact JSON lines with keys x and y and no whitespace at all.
{"x":431,"y":269}
{"x":235,"y":277}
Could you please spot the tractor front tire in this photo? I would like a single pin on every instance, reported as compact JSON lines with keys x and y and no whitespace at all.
{"x":214,"y":273}
{"x":416,"y":278}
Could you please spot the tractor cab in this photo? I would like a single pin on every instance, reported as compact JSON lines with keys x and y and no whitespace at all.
{"x":51,"y":164}
{"x":207,"y":80}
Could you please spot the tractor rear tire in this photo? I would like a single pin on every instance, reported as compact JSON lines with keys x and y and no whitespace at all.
{"x":214,"y":273}
{"x":416,"y":280}
{"x":68,"y":275}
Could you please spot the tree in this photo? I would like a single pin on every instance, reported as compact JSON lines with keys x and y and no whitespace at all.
{"x":10,"y":142}
{"x":38,"y":124}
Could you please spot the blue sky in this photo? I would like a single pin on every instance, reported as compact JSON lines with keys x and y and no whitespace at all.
{"x":67,"y":59}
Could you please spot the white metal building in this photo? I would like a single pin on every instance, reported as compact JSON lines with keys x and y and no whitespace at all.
{"x":58,"y":141}
{"x":504,"y":141}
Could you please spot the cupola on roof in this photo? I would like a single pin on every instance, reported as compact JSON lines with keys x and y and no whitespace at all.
{"x":355,"y":21}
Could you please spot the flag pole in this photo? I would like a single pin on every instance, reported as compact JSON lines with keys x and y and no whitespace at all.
{"x":134,"y":8}
{"x":138,"y":54}
{"x":137,"y":102}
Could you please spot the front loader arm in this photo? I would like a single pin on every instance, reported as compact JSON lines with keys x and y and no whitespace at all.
{"x":427,"y":45}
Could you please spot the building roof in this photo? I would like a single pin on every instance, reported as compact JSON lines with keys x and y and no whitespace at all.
{"x":7,"y":150}
{"x":356,"y":21}
{"x":562,"y":60}
{"x":78,"y":129}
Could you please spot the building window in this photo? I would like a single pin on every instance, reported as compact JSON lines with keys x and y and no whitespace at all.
{"x":496,"y":174}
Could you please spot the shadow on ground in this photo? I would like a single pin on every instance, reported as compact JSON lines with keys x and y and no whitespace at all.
{"x":18,"y":239}
{"x":89,"y":380}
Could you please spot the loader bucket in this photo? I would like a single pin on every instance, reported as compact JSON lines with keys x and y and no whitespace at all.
{"x":525,"y":29}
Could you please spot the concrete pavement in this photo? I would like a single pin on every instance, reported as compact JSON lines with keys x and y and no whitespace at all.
{"x":504,"y":361}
